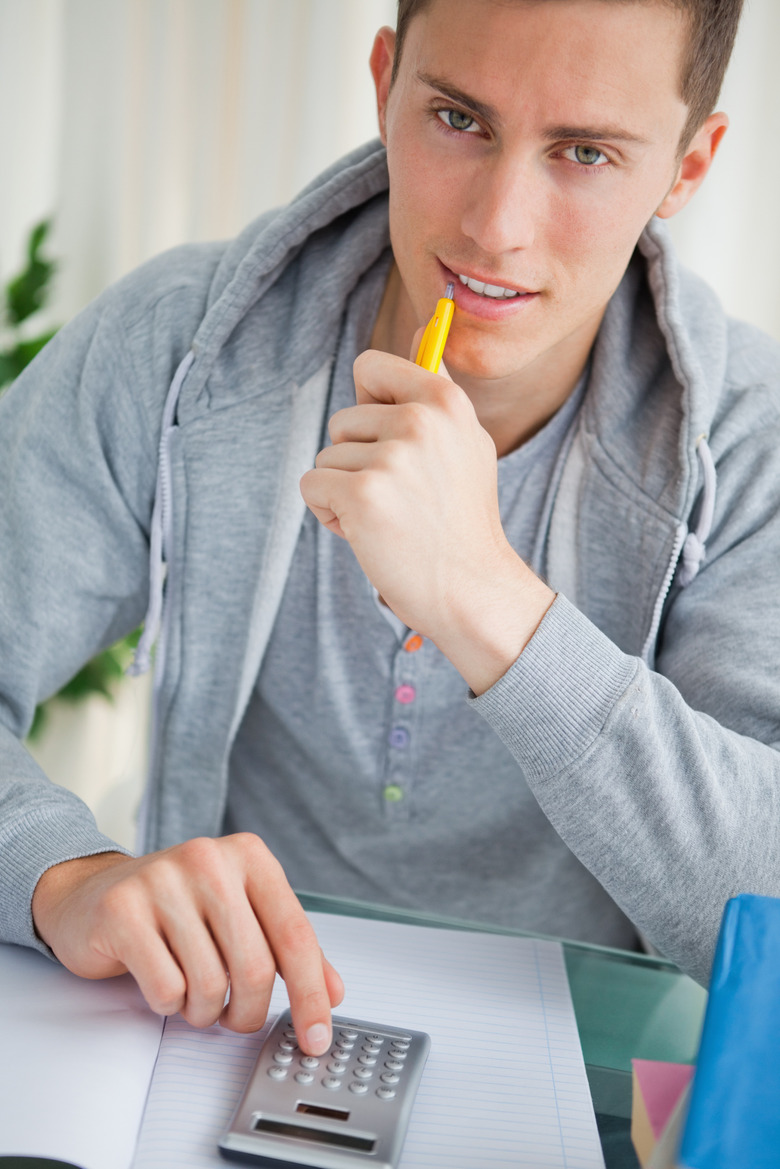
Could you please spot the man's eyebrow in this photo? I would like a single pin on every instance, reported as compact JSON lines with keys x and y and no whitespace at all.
{"x":593,"y":134}
{"x":553,"y":134}
{"x":482,"y":110}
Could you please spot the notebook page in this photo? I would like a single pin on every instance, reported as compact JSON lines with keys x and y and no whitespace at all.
{"x":505,"y":1083}
{"x":76,"y":1060}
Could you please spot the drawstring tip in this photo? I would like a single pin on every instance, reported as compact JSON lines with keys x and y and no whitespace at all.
{"x":693,"y":554}
{"x":695,"y":549}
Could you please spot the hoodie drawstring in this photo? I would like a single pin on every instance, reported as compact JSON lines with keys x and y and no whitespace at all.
{"x":694,"y":549}
{"x":159,"y":537}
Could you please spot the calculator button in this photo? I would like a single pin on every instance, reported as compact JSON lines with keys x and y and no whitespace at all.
{"x":367,"y":1060}
{"x":394,"y":1065}
{"x":374,"y":1039}
{"x":372,"y":1048}
{"x":404,"y":1043}
{"x":397,"y":1053}
{"x":290,"y":1034}
{"x":358,"y":1088}
{"x":364,"y":1073}
{"x":287,"y":1045}
{"x":349,"y":1034}
{"x":309,"y":1061}
{"x":331,"y":1082}
{"x":277,"y":1073}
{"x":389,"y":1077}
{"x":385,"y":1093}
{"x":344,"y":1044}
{"x":336,"y":1068}
{"x":304,"y":1077}
{"x":282,"y":1057}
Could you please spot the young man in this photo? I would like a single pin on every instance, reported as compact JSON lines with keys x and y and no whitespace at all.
{"x":612,"y":770}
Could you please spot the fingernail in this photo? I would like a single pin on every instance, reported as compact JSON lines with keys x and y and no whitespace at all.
{"x":318,"y":1038}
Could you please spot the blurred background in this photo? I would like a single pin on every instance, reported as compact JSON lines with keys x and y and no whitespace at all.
{"x":140,"y":124}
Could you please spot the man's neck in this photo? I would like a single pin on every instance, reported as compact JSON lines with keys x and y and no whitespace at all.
{"x":511,"y":409}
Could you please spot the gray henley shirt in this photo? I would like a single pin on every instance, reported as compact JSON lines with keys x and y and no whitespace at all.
{"x":359,"y":761}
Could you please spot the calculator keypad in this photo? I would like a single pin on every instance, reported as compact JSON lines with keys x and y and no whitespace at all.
{"x":358,"y":1061}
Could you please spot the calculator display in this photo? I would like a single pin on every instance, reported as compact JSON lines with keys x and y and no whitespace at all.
{"x":285,"y":1129}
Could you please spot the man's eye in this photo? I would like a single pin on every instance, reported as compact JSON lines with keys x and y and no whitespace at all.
{"x":586,"y":155}
{"x":455,"y":120}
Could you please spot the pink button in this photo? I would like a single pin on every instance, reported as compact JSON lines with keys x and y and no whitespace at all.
{"x":405,"y":694}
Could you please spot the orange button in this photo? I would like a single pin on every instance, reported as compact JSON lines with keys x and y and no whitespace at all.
{"x":413,"y":643}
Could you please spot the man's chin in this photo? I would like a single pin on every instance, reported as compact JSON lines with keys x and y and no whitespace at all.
{"x":487,"y":362}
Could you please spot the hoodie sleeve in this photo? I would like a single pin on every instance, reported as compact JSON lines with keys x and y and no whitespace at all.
{"x":665,"y":783}
{"x":78,"y":438}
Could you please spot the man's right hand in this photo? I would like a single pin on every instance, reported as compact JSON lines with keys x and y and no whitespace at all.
{"x":187,"y":923}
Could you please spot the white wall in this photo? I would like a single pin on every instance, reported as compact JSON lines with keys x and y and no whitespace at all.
{"x":146,"y":123}
{"x":730,"y":232}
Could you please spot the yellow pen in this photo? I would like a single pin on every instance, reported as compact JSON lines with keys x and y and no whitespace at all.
{"x":435,"y":336}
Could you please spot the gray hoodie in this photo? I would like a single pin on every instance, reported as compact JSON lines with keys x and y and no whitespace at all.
{"x":169,"y":425}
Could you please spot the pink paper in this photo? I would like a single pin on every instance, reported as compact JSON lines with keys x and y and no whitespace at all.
{"x":661,"y":1085}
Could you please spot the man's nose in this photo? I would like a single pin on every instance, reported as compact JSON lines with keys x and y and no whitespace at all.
{"x":502,"y":206}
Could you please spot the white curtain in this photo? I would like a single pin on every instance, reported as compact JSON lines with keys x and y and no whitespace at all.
{"x":144,"y":123}
{"x":730,"y":232}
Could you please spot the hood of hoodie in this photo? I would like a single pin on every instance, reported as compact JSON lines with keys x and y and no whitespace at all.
{"x":640,"y":457}
{"x":309,"y":254}
{"x":657,"y":356}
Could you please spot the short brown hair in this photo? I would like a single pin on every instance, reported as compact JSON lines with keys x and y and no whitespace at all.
{"x":713,"y":27}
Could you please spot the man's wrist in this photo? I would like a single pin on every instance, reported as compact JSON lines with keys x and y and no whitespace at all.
{"x":487,"y":631}
{"x":56,"y":882}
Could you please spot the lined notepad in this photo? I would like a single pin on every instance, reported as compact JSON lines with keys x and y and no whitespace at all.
{"x":505,"y":1083}
{"x":77,"y":1058}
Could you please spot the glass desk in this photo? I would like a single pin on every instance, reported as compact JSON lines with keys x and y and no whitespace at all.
{"x":627,"y":1006}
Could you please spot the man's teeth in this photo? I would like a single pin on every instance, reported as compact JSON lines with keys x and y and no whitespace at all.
{"x":483,"y":289}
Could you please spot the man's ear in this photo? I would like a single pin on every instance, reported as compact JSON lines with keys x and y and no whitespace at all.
{"x":697,"y":160}
{"x":381,"y":62}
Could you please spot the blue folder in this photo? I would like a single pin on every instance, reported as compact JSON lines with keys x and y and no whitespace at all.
{"x":734,"y":1115}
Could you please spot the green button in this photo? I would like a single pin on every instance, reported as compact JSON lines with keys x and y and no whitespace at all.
{"x":393,"y":793}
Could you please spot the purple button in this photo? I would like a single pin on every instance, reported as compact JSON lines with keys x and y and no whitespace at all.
{"x":399,"y":737}
{"x":405,"y":694}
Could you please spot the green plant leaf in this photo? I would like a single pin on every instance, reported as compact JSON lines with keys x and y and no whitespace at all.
{"x":28,"y":291}
{"x":36,"y":238}
{"x":98,"y":676}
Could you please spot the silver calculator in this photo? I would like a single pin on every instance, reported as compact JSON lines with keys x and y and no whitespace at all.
{"x":349,"y":1107}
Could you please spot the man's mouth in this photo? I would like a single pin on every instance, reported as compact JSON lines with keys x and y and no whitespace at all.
{"x":485,"y":299}
{"x":494,"y":291}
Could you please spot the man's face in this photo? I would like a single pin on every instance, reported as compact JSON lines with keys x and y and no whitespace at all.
{"x":528,"y":145}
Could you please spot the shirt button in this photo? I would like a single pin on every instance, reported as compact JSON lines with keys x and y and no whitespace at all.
{"x":399,"y":737}
{"x":393,"y":793}
{"x":413,"y":644}
{"x":405,"y":694}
